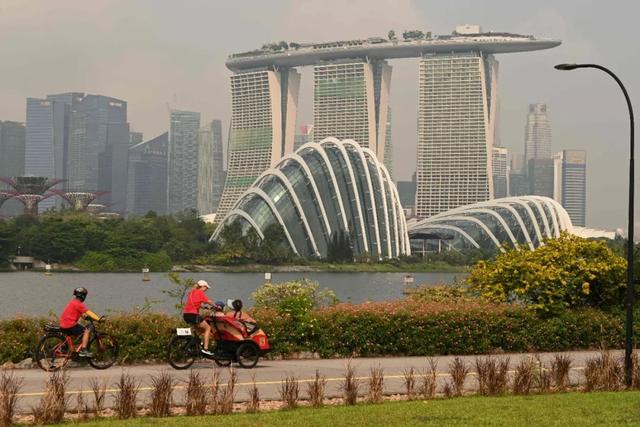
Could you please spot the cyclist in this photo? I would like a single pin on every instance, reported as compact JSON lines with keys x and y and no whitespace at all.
{"x":191,"y":311}
{"x":74,"y":310}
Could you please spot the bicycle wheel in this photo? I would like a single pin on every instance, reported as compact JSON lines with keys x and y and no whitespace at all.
{"x":53,"y":352}
{"x":182,"y":351}
{"x":105,"y":351}
{"x":248,"y":355}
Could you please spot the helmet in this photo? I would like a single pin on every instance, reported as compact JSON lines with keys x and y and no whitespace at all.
{"x":236,"y":304}
{"x":80,"y":293}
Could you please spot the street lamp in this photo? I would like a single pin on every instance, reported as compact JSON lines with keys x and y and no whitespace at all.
{"x":629,"y":296}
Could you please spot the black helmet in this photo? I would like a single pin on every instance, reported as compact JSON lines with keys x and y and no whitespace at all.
{"x":236,"y":304}
{"x":80,"y":293}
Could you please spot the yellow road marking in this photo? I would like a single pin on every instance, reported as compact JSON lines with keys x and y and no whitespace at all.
{"x":257,"y":383}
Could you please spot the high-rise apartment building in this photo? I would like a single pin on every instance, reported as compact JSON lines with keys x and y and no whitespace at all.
{"x":571,"y":183}
{"x":500,"y":169}
{"x":182,"y":183}
{"x":147,"y":177}
{"x":12,"y":152}
{"x":456,"y":120}
{"x":210,"y":167}
{"x":263,"y":116}
{"x":351,"y":101}
{"x":537,"y":137}
{"x":541,"y":174}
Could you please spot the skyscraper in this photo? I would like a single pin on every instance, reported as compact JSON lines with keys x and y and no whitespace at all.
{"x":541,"y":172}
{"x":182,"y":183}
{"x":537,"y":138}
{"x":571,"y":190}
{"x":351,"y":101}
{"x":456,"y":119}
{"x":98,"y":146}
{"x":303,"y":136}
{"x":46,"y":141}
{"x":147,"y":178}
{"x":210,"y":167}
{"x":263,"y":118}
{"x":388,"y":146}
{"x":12,"y":152}
{"x":500,"y":172}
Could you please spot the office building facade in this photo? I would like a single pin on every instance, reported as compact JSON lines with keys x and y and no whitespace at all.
{"x":541,"y":177}
{"x":182,"y":182}
{"x":500,"y":168}
{"x":210,"y":167}
{"x":12,"y":155}
{"x":537,"y":138}
{"x":263,"y":119}
{"x":147,"y":177}
{"x":456,"y":120}
{"x":571,"y":183}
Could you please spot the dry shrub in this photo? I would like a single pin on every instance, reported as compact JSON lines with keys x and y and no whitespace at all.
{"x":228,"y":394}
{"x":376,"y":385}
{"x":9,"y":388}
{"x":603,"y":373}
{"x":215,"y":392}
{"x":492,"y":375}
{"x":524,"y":376}
{"x":409,"y":381}
{"x":560,"y":368}
{"x":543,"y":376}
{"x":82,"y":406}
{"x":448,"y":389}
{"x":254,"y":396}
{"x":161,"y":395}
{"x":350,"y":386}
{"x":290,"y":392}
{"x":53,"y":404}
{"x":458,"y":371}
{"x":316,"y":390}
{"x":126,"y":396}
{"x":429,"y":380}
{"x":635,"y":379}
{"x":195,"y":395}
{"x":99,"y":392}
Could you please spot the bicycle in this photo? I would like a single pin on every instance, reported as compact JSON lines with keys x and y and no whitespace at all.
{"x":56,"y":349}
{"x":185,"y":346}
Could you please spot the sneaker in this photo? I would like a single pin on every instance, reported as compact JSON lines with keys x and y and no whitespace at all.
{"x":207,"y":352}
{"x":84,"y":353}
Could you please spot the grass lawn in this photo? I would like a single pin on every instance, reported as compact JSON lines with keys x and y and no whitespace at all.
{"x":567,"y":409}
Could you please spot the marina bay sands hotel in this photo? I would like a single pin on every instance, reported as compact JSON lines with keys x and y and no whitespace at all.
{"x":352,"y":82}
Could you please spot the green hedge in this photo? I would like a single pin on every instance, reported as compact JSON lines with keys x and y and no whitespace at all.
{"x":401,"y":328}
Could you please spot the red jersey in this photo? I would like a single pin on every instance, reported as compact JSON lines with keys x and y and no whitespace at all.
{"x":194,"y":300}
{"x":72,"y":313}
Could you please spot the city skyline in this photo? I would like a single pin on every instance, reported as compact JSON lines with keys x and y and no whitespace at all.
{"x":600,"y":130}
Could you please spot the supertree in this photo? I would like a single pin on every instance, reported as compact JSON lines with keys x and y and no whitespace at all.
{"x":31,"y":190}
{"x":79,"y":200}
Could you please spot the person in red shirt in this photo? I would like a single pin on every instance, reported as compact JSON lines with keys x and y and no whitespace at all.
{"x":74,"y":310}
{"x":191,"y":311}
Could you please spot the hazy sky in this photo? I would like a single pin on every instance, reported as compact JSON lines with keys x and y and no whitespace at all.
{"x":157,"y":54}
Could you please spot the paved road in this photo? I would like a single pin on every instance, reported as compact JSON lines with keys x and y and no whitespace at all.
{"x":268,"y":375}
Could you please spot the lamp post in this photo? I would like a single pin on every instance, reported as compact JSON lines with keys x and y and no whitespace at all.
{"x":629,"y":295}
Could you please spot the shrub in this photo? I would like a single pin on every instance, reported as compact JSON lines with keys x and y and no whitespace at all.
{"x":567,"y":272}
{"x":296,"y":297}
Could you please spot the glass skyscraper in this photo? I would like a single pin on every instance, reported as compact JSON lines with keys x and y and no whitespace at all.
{"x":182,"y":183}
{"x":147,"y":177}
{"x":12,"y":151}
{"x":537,"y":139}
{"x":571,"y":190}
{"x":210,"y":167}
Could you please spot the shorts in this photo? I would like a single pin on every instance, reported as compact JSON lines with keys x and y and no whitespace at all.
{"x":73,"y":331}
{"x":192,"y":318}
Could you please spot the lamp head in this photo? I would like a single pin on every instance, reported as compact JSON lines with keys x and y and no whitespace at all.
{"x":566,"y":67}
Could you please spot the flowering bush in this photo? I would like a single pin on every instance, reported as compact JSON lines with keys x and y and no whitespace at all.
{"x":567,"y":272}
{"x":296,"y":297}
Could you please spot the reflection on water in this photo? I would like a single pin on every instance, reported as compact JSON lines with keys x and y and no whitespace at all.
{"x":36,"y":294}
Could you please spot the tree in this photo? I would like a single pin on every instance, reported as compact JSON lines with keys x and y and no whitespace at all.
{"x":339,"y":248}
{"x":6,"y":244}
{"x":567,"y":272}
{"x":392,"y":35}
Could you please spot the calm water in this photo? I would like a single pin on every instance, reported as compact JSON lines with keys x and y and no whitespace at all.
{"x":32,"y":293}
